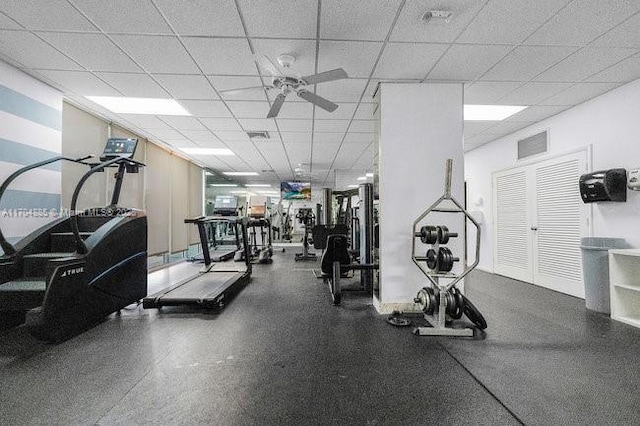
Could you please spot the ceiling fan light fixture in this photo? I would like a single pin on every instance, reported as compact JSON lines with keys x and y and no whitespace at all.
{"x":286,"y":61}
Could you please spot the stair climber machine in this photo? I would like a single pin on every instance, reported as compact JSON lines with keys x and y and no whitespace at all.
{"x":306,"y":218}
{"x":260,"y":232}
{"x":68,"y":275}
{"x":219,"y":279}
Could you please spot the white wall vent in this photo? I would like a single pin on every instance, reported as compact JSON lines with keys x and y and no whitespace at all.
{"x":533,"y":145}
{"x":258,"y":134}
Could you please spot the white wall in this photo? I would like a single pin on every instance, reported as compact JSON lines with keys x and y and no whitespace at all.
{"x":30,"y":131}
{"x":420,"y":127}
{"x":610,"y":124}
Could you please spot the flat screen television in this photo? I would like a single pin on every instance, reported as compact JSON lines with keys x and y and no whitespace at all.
{"x":295,"y":190}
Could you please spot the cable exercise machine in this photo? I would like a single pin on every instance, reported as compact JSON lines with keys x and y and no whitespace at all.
{"x":305,"y":216}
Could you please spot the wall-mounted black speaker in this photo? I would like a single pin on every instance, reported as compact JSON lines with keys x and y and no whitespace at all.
{"x":604,"y":185}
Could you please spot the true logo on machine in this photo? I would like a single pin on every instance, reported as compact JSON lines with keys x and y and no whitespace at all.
{"x":73,"y":271}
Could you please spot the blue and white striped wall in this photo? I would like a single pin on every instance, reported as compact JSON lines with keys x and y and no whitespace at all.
{"x":30,"y":131}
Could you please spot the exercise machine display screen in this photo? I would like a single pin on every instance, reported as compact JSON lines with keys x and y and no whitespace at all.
{"x":119,"y":147}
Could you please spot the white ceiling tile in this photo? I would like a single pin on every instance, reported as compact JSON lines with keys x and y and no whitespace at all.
{"x":32,"y":52}
{"x":533,"y":93}
{"x":365,"y":111}
{"x":325,"y":152}
{"x":538,"y":113}
{"x":200,"y":136}
{"x":362,"y":126}
{"x":201,"y":108}
{"x":296,"y":109}
{"x":373,"y":86}
{"x":487,"y":92}
{"x":259,"y":124}
{"x":232,"y":82}
{"x":342,"y":90}
{"x":329,"y":137}
{"x":472,"y":128}
{"x":509,"y":21}
{"x":304,"y":52}
{"x":584,"y":63}
{"x":222,"y":55}
{"x":478,"y":140}
{"x":7,"y":24}
{"x":157,"y":54}
{"x":179,"y":122}
{"x":627,"y":34}
{"x":222,"y":124}
{"x":410,"y":28}
{"x":477,"y":60}
{"x":83,"y":83}
{"x":94,"y":51}
{"x":287,"y":19}
{"x":186,"y":86}
{"x":296,"y":137}
{"x":416,"y":59}
{"x":288,"y":125}
{"x":228,"y":136}
{"x":118,"y":16}
{"x":624,"y":71}
{"x":202,"y":17}
{"x":331,"y":126}
{"x":181,"y":143}
{"x":146,"y":121}
{"x":525,"y":62}
{"x":163,"y":134}
{"x":506,"y":127}
{"x":356,"y":58}
{"x":46,"y":15}
{"x":359,"y":138}
{"x":247,"y":109}
{"x":344,"y":112}
{"x":344,"y":20}
{"x":582,"y":21}
{"x":580,"y":93}
{"x":134,"y":85}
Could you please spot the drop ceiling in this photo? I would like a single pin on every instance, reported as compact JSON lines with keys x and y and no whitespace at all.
{"x":549,"y":54}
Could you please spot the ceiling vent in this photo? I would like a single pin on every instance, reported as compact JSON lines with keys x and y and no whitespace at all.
{"x":258,"y":134}
{"x":533,"y":145}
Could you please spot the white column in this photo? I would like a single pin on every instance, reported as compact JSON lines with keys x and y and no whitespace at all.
{"x":421,"y":125}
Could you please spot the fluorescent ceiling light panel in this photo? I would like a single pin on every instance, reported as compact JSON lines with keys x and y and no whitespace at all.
{"x":490,"y":112}
{"x":224,"y":184}
{"x":362,"y":178}
{"x":207,"y":151}
{"x":241,"y":173}
{"x":268,"y":192}
{"x":353,"y":186}
{"x":241,"y":192}
{"x":124,"y":105}
{"x":369,"y":175}
{"x":258,"y":185}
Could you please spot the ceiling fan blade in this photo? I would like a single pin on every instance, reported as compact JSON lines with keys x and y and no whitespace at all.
{"x":267,"y":64}
{"x":242,"y":89}
{"x":323,"y":103}
{"x":277,"y":104}
{"x":323,"y":77}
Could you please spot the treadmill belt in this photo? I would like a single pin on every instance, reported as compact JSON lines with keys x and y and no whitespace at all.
{"x":206,"y":290}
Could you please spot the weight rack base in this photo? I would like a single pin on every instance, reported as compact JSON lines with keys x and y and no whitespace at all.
{"x":433,"y":331}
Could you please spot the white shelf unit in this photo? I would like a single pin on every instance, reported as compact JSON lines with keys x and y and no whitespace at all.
{"x":624,"y":276}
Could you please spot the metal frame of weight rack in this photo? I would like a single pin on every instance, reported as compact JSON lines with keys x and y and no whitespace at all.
{"x":437,"y":320}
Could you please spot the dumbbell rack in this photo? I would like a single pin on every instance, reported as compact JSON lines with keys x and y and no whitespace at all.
{"x":445,"y":204}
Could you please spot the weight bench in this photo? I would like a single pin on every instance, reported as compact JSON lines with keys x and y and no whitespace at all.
{"x":336,"y":264}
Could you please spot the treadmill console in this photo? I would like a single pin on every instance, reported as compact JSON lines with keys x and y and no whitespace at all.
{"x":225,"y":205}
{"x":119,"y":147}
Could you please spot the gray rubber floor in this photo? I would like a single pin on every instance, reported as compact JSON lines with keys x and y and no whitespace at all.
{"x":280,"y":353}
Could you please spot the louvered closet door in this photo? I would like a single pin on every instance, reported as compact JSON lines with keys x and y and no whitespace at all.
{"x":559,"y":222}
{"x":512,"y":254}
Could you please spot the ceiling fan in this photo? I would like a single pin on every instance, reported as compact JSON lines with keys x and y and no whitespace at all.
{"x":287,"y":84}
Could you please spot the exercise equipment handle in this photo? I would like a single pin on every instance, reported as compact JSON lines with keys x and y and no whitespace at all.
{"x":447,"y":177}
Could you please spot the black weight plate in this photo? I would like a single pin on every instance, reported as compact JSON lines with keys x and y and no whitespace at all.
{"x":432,"y":259}
{"x":428,"y":234}
{"x":474,"y":314}
{"x":443,"y":234}
{"x":445,"y":259}
{"x":459,"y":303}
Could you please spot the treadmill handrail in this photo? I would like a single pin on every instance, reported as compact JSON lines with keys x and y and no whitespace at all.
{"x":81,"y":247}
{"x":7,"y":247}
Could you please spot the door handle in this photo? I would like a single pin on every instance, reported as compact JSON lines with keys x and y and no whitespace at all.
{"x":534,"y":228}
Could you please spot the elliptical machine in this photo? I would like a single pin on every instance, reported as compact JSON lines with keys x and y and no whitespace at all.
{"x":305,"y":216}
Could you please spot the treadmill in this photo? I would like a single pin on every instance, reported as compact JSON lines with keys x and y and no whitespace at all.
{"x":217,"y":281}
